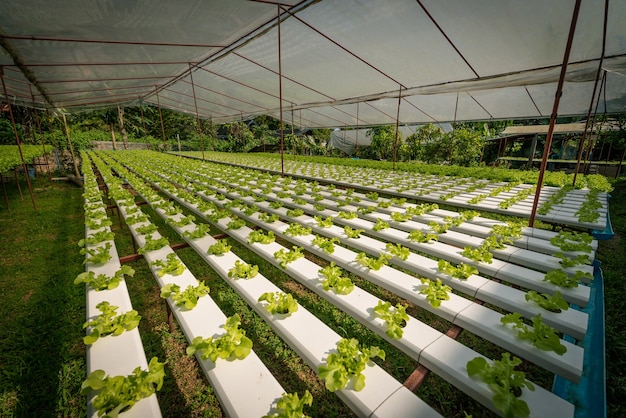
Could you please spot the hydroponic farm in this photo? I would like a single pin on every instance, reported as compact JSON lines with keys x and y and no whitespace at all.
{"x":312,"y":208}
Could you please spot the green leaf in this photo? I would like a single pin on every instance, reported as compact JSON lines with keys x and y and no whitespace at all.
{"x":286,"y":257}
{"x":348,"y":362}
{"x":221,"y":247}
{"x":172,"y":265}
{"x":279,"y":303}
{"x":232,"y":345}
{"x":242,"y":270}
{"x":291,"y":406}
{"x":117,"y":394}
{"x":108,"y":323}
{"x":188,"y":298}
{"x":334,"y":280}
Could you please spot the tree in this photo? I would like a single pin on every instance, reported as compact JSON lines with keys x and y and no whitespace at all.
{"x":420,"y":138}
{"x":383,"y":139}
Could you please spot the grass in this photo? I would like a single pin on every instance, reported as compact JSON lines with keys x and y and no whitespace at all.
{"x":42,"y":357}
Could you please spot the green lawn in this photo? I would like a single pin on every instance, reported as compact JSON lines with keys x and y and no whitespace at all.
{"x":42,"y":357}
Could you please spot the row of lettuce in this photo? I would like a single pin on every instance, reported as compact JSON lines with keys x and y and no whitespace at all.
{"x":10,"y":155}
{"x":505,"y":390}
{"x":551,"y":178}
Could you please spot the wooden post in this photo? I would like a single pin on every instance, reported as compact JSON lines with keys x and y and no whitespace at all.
{"x":113,"y":141}
{"x":531,"y":157}
{"x":69,"y":141}
{"x":120,"y":118}
{"x":43,"y":147}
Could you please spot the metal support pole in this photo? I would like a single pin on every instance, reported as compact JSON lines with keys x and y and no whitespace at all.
{"x":582,"y":139}
{"x":17,"y":139}
{"x":593,"y":123}
{"x":195,"y":102}
{"x":555,"y":108}
{"x":395,"y":142}
{"x":280,"y":98}
{"x":161,"y":118}
{"x":356,"y":140}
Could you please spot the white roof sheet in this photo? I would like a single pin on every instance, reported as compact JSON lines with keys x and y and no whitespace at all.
{"x":343,"y":62}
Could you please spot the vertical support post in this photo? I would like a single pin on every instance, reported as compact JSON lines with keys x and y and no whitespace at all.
{"x":17,"y":139}
{"x":161,"y":118}
{"x":69,"y":142}
{"x":17,"y":181}
{"x":280,"y":95}
{"x":43,"y":147}
{"x":4,"y":189}
{"x":195,"y":102}
{"x":582,"y":139}
{"x":531,"y":157}
{"x":293,"y":135}
{"x":143,"y":123}
{"x":555,"y":108}
{"x":356,"y":140}
{"x":593,"y":123}
{"x":395,"y":142}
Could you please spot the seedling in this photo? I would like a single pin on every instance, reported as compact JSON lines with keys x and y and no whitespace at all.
{"x":542,"y":336}
{"x":188,"y":297}
{"x":505,"y":383}
{"x":279,"y":303}
{"x":102,"y":281}
{"x":117,"y":394}
{"x":421,"y":237}
{"x":172,"y":265}
{"x":398,"y":250}
{"x":373,"y":263}
{"x":395,"y":318}
{"x":291,"y":406}
{"x":221,"y":247}
{"x":435,"y":291}
{"x":334,"y":280}
{"x":98,"y":255}
{"x":553,"y":303}
{"x":243,"y":270}
{"x":260,"y":237}
{"x":352,"y":233}
{"x":347,"y":363}
{"x":108,"y":323}
{"x":232,"y":344}
{"x":153,"y":244}
{"x":326,"y":244}
{"x":286,"y":257}
{"x":462,"y":271}
{"x":296,"y":229}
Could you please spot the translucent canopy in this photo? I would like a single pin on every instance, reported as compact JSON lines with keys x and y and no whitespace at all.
{"x":335,"y":63}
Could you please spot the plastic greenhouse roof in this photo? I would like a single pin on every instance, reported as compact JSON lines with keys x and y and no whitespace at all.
{"x":343,"y":62}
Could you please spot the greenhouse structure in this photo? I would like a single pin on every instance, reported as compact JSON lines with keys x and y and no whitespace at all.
{"x":391,"y":289}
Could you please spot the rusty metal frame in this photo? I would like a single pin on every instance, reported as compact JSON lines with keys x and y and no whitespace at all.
{"x":555,"y":108}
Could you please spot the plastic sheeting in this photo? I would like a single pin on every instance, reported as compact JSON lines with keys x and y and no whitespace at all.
{"x":347,"y":140}
{"x":343,"y":62}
